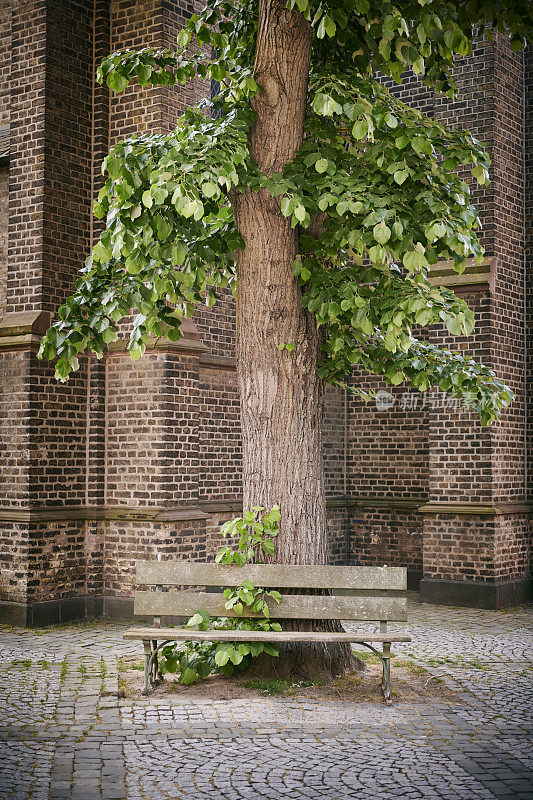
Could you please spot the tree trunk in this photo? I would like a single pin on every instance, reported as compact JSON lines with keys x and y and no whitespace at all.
{"x":281,"y":395}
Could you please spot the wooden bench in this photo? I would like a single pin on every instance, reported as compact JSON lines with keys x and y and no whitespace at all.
{"x":357,"y":593}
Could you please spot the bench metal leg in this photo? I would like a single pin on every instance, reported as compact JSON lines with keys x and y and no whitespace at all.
{"x":151,"y":662}
{"x":385,"y":661}
{"x":156,"y":675}
{"x":147,"y":658}
{"x":385,"y":685}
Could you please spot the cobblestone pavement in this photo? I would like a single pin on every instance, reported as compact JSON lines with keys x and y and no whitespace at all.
{"x":63,"y":736}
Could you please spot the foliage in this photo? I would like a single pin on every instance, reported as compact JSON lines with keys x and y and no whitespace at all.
{"x":196,"y":660}
{"x":381,"y":178}
{"x":253,"y":535}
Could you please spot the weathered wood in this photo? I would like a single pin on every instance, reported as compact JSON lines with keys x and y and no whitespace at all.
{"x":181,"y":635}
{"x":292,"y":606}
{"x":280,"y":576}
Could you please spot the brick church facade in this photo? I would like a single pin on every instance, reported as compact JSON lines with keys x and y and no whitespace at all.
{"x":130,"y":459}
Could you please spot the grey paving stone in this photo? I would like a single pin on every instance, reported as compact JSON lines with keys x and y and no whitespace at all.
{"x":56,"y":728}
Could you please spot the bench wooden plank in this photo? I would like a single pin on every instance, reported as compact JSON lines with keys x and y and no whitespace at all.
{"x":280,"y":576}
{"x":292,"y":606}
{"x":180,"y":635}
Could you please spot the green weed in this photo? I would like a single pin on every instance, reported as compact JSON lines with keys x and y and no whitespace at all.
{"x":22,"y":662}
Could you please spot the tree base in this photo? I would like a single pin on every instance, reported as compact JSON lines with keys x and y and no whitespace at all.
{"x":309,"y":662}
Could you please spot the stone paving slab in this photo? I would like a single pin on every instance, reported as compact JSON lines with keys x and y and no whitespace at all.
{"x":64,"y":735}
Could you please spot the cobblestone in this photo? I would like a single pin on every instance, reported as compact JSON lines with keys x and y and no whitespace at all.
{"x":64,"y":735}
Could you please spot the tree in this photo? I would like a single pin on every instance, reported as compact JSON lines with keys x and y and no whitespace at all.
{"x":319,"y":198}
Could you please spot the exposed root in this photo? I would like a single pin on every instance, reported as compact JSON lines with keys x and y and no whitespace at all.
{"x":309,"y":662}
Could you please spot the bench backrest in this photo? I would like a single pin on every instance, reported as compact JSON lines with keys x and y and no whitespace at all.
{"x":359,"y":593}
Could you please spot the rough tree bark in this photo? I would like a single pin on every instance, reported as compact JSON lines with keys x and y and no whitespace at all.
{"x":281,"y":395}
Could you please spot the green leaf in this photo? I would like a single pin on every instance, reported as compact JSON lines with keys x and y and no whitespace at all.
{"x":98,"y":210}
{"x":163,"y":227}
{"x":144,"y":72}
{"x":221,"y":656}
{"x":116,"y":82}
{"x":455,"y":324}
{"x":480,"y":173}
{"x":415,"y":260}
{"x":321,"y":165}
{"x":147,"y":198}
{"x":401,"y":175}
{"x":188,"y":676}
{"x":325,"y":105}
{"x":360,"y":129}
{"x":286,"y":206}
{"x":436,"y":231}
{"x":183,"y":38}
{"x":329,"y":26}
{"x":299,"y":213}
{"x":382,"y":233}
{"x":209,"y":189}
{"x":268,"y":547}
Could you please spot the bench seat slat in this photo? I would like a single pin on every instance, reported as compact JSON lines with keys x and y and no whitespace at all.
{"x":180,"y":635}
{"x":292,"y":606}
{"x":281,"y":576}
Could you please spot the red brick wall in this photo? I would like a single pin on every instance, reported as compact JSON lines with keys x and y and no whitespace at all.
{"x":164,"y":432}
{"x":459,"y":548}
{"x":27,"y":137}
{"x":152,"y":430}
{"x":5,"y":97}
{"x":438,"y":453}
{"x":508,"y":343}
{"x":14,"y":545}
{"x":129,"y":542}
{"x":460,"y":450}
{"x":219,"y":436}
{"x":4,"y":219}
{"x":528,"y":118}
{"x":14,"y":430}
{"x":5,"y":60}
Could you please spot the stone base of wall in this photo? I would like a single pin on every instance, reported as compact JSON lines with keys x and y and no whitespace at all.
{"x":50,"y":612}
{"x":414,"y":577}
{"x":116,"y":607}
{"x":476,"y":594}
{"x":64,"y":609}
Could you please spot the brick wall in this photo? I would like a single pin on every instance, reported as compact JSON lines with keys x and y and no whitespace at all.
{"x":4,"y":219}
{"x":460,"y":450}
{"x":128,"y":542}
{"x":27,"y":140}
{"x":469,"y":464}
{"x":508,"y":344}
{"x":528,"y":118}
{"x":14,"y":432}
{"x":144,"y":457}
{"x":219,"y":451}
{"x":152,"y":430}
{"x":5,"y":60}
{"x":67,"y":199}
{"x":439,"y":452}
{"x":5,"y":97}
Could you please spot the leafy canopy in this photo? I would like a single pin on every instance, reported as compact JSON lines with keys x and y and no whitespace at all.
{"x":381,"y":178}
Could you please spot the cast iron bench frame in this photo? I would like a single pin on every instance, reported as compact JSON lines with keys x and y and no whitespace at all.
{"x":374,"y":594}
